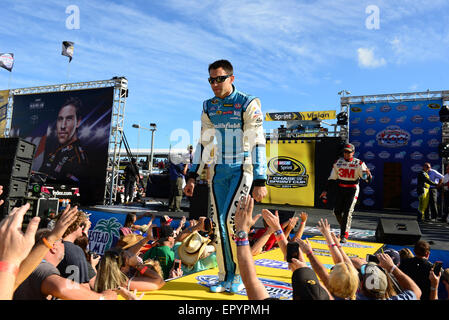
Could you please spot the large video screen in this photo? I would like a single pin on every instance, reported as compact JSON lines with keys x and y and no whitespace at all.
{"x":71,"y":132}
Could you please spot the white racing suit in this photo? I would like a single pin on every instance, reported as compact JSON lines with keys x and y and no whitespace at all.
{"x":235,"y":123}
{"x":346,"y":174}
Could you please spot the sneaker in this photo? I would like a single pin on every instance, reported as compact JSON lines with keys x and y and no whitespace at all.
{"x":219,"y":287}
{"x":237,"y":284}
{"x":343,"y":240}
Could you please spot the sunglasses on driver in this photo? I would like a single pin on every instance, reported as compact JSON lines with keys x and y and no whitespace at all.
{"x":219,"y":79}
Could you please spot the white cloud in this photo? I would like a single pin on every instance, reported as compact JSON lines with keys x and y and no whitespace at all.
{"x":368,"y":60}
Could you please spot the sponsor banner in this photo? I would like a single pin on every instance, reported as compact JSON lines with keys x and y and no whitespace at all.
{"x":405,"y":132}
{"x":276,"y":289}
{"x":312,"y":115}
{"x":105,"y":227}
{"x":4,"y":94}
{"x":71,"y":131}
{"x":290,"y":173}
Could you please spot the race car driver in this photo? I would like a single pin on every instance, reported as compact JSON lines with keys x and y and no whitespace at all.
{"x":346,"y":173}
{"x":235,"y":120}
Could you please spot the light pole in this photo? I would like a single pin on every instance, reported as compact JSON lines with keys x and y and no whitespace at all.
{"x":138,"y":139}
{"x":152,"y":128}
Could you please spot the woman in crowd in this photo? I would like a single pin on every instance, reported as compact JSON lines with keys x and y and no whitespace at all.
{"x":119,"y":268}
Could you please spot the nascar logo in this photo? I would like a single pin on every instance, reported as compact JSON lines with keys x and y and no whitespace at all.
{"x":276,"y":289}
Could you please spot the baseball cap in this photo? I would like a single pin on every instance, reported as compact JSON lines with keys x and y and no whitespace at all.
{"x":166,"y":219}
{"x":306,"y":285}
{"x":349,"y":147}
{"x":394,"y":255}
{"x":374,"y":279}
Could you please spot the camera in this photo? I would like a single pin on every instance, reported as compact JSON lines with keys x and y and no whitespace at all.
{"x":437,"y":267}
{"x":207,"y":225}
{"x":372,"y":258}
{"x":292,"y":251}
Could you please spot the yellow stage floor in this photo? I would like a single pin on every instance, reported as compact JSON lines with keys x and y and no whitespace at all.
{"x":271,"y":270}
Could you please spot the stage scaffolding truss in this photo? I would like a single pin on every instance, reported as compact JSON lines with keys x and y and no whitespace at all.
{"x":120,"y":85}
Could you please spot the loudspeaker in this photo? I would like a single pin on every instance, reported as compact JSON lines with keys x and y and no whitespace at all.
{"x":14,"y":188}
{"x":17,"y":147}
{"x":14,"y":168}
{"x":397,"y":231}
{"x":11,"y":203}
{"x":16,"y":156}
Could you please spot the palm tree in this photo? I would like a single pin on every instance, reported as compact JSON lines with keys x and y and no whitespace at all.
{"x":110,"y":226}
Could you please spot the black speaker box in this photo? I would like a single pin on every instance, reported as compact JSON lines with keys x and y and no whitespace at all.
{"x":14,"y":188}
{"x":397,"y":231}
{"x":11,"y":203}
{"x":17,"y":147}
{"x":14,"y":168}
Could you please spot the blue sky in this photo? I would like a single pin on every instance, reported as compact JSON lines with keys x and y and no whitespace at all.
{"x":294,"y":55}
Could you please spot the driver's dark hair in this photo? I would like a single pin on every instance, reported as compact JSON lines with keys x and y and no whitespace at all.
{"x":76,"y":102}
{"x":225,"y":64}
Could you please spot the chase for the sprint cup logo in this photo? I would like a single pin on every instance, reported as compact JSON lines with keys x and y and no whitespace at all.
{"x":286,"y":172}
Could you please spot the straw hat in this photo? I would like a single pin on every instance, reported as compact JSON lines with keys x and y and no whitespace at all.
{"x":129,"y":240}
{"x":191,"y":248}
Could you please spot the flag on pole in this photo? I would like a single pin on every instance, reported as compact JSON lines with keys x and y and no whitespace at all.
{"x":7,"y":61}
{"x":67,"y":49}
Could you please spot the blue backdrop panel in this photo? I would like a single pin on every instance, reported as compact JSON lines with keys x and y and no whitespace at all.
{"x":406,"y":132}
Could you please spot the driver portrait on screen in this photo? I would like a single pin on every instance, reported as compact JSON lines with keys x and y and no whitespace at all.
{"x":68,"y":161}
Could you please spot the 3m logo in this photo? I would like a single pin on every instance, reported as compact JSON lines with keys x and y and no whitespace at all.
{"x":346,"y":173}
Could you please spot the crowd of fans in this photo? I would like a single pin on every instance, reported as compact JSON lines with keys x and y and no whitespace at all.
{"x":55,"y":262}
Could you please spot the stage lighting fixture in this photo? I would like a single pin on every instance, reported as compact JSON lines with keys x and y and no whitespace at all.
{"x":342,"y":119}
{"x":444,"y":114}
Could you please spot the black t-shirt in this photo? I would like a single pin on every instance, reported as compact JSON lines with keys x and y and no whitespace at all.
{"x":74,"y":265}
{"x":30,"y":289}
{"x":418,"y":269}
{"x":131,"y":172}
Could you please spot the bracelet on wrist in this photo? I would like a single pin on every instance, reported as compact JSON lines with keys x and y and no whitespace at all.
{"x":279,"y":237}
{"x":309,"y":253}
{"x":433,"y":288}
{"x":47,"y":243}
{"x":142,"y":271}
{"x":242,"y":242}
{"x":392,"y":268}
{"x":278,"y":232}
{"x":9,"y":268}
